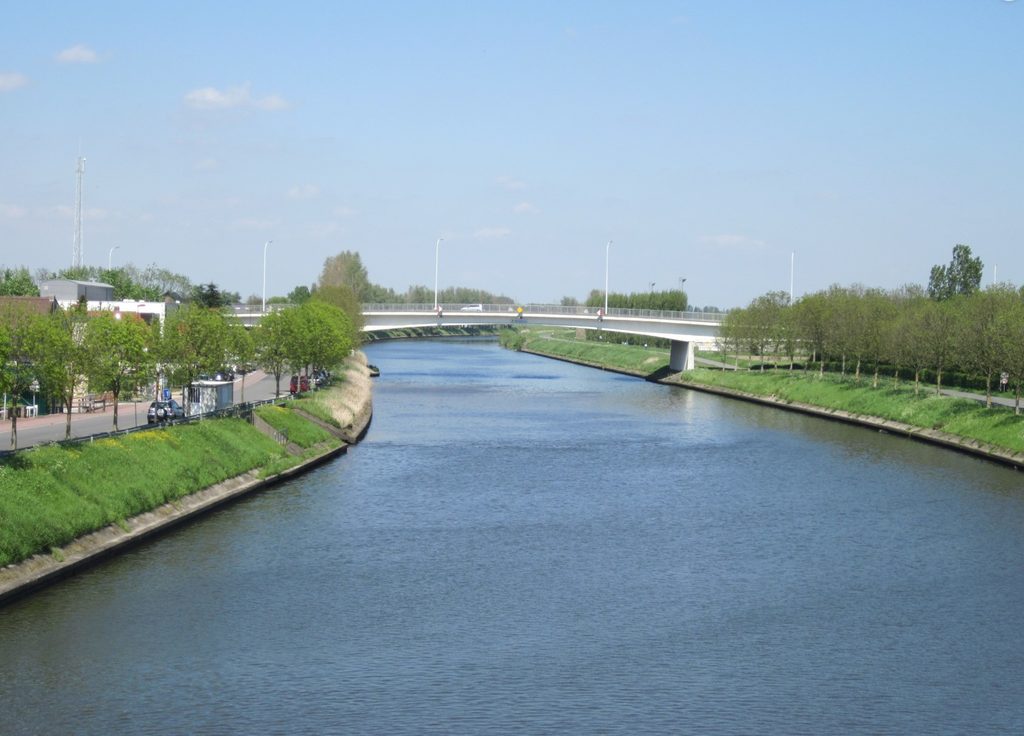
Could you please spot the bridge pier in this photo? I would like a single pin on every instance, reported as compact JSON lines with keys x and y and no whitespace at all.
{"x":680,"y":357}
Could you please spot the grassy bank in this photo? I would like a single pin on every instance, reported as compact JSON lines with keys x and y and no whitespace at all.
{"x":962,"y":417}
{"x":298,"y":430}
{"x":562,"y":343}
{"x":53,"y":494}
{"x":995,"y":426}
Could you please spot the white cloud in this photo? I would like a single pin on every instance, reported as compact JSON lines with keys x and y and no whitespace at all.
{"x":11,"y":211}
{"x":732,"y":241}
{"x":211,"y":98}
{"x":490,"y":233}
{"x":12,"y":80}
{"x":305,"y":191}
{"x":206,"y":164}
{"x":510,"y":183}
{"x":270,"y":102}
{"x":79,"y":54}
{"x":525,"y":208}
{"x":344,"y":211}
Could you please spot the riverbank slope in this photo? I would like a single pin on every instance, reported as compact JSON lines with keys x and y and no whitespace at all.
{"x":119,"y":491}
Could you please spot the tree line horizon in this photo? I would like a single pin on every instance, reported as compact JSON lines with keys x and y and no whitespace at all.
{"x":951,"y":326}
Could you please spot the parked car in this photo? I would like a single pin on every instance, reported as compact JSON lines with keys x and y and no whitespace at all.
{"x":298,"y":384}
{"x":162,"y":411}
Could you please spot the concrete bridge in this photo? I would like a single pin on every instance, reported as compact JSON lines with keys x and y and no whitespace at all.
{"x":682,"y":329}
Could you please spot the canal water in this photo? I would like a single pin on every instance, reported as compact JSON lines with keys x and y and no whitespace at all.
{"x":526,"y":546}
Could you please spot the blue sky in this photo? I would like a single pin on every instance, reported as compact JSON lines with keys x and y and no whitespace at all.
{"x":708,"y":140}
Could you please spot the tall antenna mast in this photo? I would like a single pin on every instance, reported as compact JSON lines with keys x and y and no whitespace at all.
{"x":76,"y":250}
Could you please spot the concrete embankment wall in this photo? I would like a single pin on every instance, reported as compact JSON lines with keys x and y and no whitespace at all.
{"x":932,"y":436}
{"x":354,"y":410}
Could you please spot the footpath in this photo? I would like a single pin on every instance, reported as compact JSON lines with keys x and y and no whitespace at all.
{"x":353,"y":410}
{"x":39,"y":430}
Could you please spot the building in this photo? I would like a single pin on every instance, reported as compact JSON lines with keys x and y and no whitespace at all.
{"x":100,"y":297}
{"x":68,"y":292}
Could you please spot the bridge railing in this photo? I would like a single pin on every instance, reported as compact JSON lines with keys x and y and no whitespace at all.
{"x":550,"y":309}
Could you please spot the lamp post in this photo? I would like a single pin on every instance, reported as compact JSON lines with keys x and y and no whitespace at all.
{"x":110,"y":255}
{"x":437,"y":255}
{"x":607,"y":249}
{"x":264,"y":309}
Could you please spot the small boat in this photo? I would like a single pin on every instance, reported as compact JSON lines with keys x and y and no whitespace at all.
{"x":374,"y":370}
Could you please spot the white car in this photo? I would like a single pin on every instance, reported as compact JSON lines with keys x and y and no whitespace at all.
{"x":473,"y":308}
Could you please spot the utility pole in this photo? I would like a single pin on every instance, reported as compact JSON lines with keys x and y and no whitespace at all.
{"x":792,"y":257}
{"x":76,"y":249}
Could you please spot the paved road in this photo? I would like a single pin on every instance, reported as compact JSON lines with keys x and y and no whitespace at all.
{"x":50,"y":428}
{"x":1005,"y":398}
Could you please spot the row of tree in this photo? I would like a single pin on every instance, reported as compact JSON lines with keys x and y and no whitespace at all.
{"x":343,"y":272}
{"x":672,"y":300}
{"x":979,"y":334}
{"x":63,"y":354}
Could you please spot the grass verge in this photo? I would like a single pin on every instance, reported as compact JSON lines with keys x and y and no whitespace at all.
{"x":963,"y":417}
{"x":562,"y":344}
{"x":298,"y":430}
{"x":53,"y":494}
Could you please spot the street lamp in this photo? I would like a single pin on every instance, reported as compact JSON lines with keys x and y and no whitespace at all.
{"x":607,"y":249}
{"x":652,"y":287}
{"x":110,"y":255}
{"x":437,"y":255}
{"x":264,"y":310}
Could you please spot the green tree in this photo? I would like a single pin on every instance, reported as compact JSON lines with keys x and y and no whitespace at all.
{"x":330,"y":334}
{"x":961,"y":277}
{"x":939,"y":325}
{"x":270,"y":343}
{"x":195,"y":341}
{"x":812,"y":316}
{"x":59,"y":356}
{"x":346,"y":269}
{"x":118,"y":354}
{"x":162,"y":281}
{"x":982,"y":334}
{"x":1011,"y":326}
{"x":17,"y":282}
{"x":344,"y":299}
{"x":17,"y":371}
{"x":299,"y":295}
{"x":210,"y":296}
{"x":765,"y":323}
{"x":418,"y":295}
